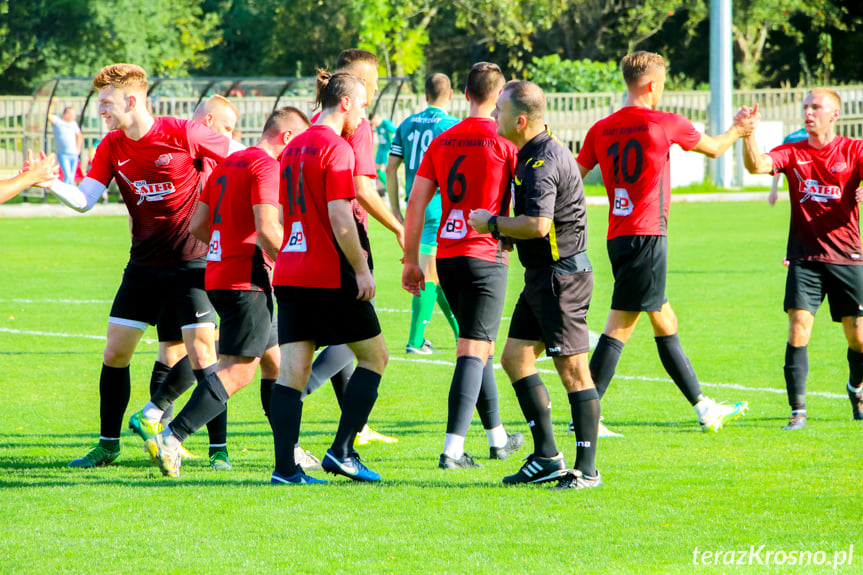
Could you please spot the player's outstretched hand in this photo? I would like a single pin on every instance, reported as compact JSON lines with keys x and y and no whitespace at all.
{"x":478,"y":220}
{"x":413,"y":279}
{"x":43,"y":170}
{"x":365,"y":286}
{"x":774,"y":195}
{"x":747,"y":119}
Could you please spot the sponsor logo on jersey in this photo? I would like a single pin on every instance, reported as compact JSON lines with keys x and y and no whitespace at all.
{"x":163,"y":160}
{"x":819,"y":192}
{"x":838,"y":167}
{"x":153,"y":192}
{"x":622,"y":202}
{"x":455,"y":226}
{"x":297,"y":240}
{"x":215,"y":252}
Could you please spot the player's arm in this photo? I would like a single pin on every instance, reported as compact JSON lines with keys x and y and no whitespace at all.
{"x":345,"y":231}
{"x":713,"y":147}
{"x":755,"y":162}
{"x":80,"y":198}
{"x":43,"y":169}
{"x":422,"y":192}
{"x":199,"y":225}
{"x":521,"y":227}
{"x":393,"y":186}
{"x":369,"y":198}
{"x":79,"y":140}
{"x":269,"y":229}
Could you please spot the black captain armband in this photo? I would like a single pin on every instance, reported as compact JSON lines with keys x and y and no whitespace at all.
{"x":492,"y":227}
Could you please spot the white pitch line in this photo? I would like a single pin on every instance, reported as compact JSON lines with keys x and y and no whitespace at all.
{"x":69,"y":335}
{"x":72,"y":301}
{"x":643,"y":378}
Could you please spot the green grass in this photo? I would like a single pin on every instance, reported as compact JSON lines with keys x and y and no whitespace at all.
{"x":668,"y":487}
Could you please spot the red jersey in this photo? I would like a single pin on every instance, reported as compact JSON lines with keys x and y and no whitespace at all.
{"x":316,"y":168}
{"x":362,"y":143}
{"x":632,"y":147}
{"x":473,"y":168}
{"x":822,"y":186}
{"x":235,"y":261}
{"x":160,"y":185}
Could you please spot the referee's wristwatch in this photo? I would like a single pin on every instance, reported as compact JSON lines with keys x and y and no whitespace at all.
{"x":492,"y":227}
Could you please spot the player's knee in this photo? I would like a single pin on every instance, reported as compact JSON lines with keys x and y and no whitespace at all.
{"x":115,"y":356}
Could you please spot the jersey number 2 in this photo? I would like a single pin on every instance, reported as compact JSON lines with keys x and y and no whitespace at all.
{"x":222,"y":181}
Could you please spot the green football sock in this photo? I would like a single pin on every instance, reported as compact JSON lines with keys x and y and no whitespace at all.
{"x":421,"y":311}
{"x":447,"y":311}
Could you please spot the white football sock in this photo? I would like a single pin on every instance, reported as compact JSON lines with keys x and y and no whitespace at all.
{"x":496,"y":436}
{"x":152,"y":413}
{"x":453,"y":446}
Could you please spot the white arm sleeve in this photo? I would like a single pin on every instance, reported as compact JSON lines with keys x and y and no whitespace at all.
{"x":80,"y":198}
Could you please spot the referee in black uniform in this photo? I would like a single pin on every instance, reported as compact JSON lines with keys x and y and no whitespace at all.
{"x":550,"y":232}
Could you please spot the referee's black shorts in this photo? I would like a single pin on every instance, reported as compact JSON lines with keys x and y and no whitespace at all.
{"x":475,"y":290}
{"x":552,"y":307}
{"x":808,"y":283}
{"x":640,"y":266}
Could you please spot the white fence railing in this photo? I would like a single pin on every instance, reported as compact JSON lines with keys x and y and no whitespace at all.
{"x":24,"y":122}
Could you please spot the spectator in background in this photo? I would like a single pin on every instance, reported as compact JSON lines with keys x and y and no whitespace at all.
{"x":68,"y":140}
{"x":385,"y":131}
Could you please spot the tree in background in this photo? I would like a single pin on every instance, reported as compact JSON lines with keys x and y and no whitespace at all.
{"x":45,"y":38}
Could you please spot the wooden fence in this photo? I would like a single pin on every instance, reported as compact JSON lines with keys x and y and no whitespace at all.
{"x":24,"y":123}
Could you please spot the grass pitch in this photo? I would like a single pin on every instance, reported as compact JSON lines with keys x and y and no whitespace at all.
{"x":671,"y":493}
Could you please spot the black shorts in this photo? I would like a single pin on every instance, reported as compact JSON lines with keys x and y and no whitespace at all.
{"x":552,"y":307}
{"x":246,"y":321}
{"x":149,"y":295}
{"x":324,"y":316}
{"x":475,"y":290}
{"x":808,"y":282}
{"x":639,"y":265}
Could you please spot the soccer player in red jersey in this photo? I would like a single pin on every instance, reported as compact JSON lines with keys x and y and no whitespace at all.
{"x":473,"y":167}
{"x":824,"y":250}
{"x":238,"y":215}
{"x":631,"y":147}
{"x":337,"y":362}
{"x":323,"y":283}
{"x":172,"y":373}
{"x":152,"y":160}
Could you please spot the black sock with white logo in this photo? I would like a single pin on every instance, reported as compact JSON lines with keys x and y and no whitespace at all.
{"x":358,"y":401}
{"x":677,"y":365}
{"x":603,"y":362}
{"x":585,"y":409}
{"x":286,"y":413}
{"x":796,"y":369}
{"x":536,"y":406}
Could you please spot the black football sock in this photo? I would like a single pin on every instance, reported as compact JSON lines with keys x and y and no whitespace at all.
{"x":603,"y":362}
{"x":217,"y":430}
{"x":286,"y":412}
{"x":463,"y":393}
{"x":487,"y":403}
{"x":340,"y":381}
{"x":115,"y":388}
{"x":796,"y":369}
{"x":677,"y":365}
{"x":207,"y":401}
{"x":536,"y":406}
{"x":266,"y":394}
{"x":855,"y":368}
{"x":331,"y":361}
{"x":179,"y":380}
{"x":358,"y":401}
{"x":157,"y":378}
{"x":584,"y":406}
